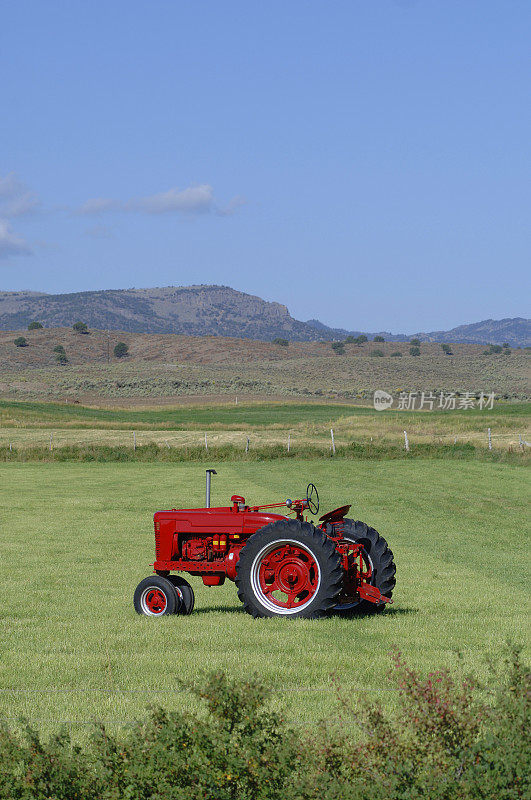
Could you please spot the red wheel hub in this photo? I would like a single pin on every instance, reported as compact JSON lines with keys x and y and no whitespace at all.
{"x":156,"y":601}
{"x":288,"y":576}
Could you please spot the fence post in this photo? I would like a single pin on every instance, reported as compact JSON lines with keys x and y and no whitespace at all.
{"x":333,"y":443}
{"x":521,"y":441}
{"x":406,"y":442}
{"x":206,"y":442}
{"x":134,"y":440}
{"x":247,"y":446}
{"x":455,"y":439}
{"x":490,"y":438}
{"x":289,"y":435}
{"x":51,"y":442}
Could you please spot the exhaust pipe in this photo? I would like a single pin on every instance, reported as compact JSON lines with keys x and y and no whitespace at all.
{"x":209,"y":474}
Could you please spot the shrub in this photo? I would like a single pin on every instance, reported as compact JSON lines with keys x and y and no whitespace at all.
{"x":339,"y":348}
{"x":59,"y":348}
{"x":121,"y":350}
{"x":396,"y":354}
{"x":448,"y":738}
{"x":414,"y":351}
{"x":447,"y":349}
{"x":377,"y":353}
{"x":33,"y":326}
{"x":80,"y":327}
{"x":350,"y":340}
{"x":378,"y":339}
{"x":361,"y":339}
{"x":415,"y":342}
{"x":280,"y":341}
{"x":61,"y":358}
{"x":493,"y":349}
{"x":20,"y":341}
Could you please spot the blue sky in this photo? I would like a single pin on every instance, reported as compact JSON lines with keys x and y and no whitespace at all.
{"x":365,"y":162}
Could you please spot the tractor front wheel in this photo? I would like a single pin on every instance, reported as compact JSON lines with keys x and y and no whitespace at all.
{"x":156,"y":596}
{"x":289,"y":568}
{"x":184,"y":592}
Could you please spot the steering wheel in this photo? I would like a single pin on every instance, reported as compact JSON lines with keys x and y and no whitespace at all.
{"x":312,"y":498}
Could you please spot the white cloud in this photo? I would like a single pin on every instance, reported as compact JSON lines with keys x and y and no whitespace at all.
{"x":193,"y":200}
{"x":16,"y":199}
{"x":10,"y":244}
{"x":232,"y":207}
{"x":97,"y":205}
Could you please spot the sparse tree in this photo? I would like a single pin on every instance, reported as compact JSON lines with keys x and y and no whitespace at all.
{"x":506,"y":344}
{"x":279,"y":340}
{"x":414,"y":351}
{"x":61,"y":358}
{"x":350,"y":340}
{"x":378,"y":339}
{"x":121,"y":350}
{"x":396,"y":354}
{"x":80,"y":327}
{"x":377,"y":353}
{"x":361,"y":339}
{"x":494,"y":349}
{"x":20,"y":341}
{"x":59,"y":348}
{"x":338,"y":348}
{"x":447,"y":349}
{"x":415,"y":342}
{"x":33,"y":326}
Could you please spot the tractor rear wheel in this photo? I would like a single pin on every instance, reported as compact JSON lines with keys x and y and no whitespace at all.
{"x":289,"y":568}
{"x":156,"y":596}
{"x":379,"y":557}
{"x":184,"y":592}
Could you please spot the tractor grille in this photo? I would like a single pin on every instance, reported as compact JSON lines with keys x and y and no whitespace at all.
{"x":157,"y":539}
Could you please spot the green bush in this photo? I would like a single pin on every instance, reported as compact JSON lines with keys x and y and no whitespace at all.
{"x":279,"y":340}
{"x":59,"y":348}
{"x":361,"y":339}
{"x":121,"y":350}
{"x":414,"y":351}
{"x":494,"y":349}
{"x":377,"y":353}
{"x":378,"y":339}
{"x":396,"y":354}
{"x":447,"y":349}
{"x":33,"y":326}
{"x":80,"y":327}
{"x":350,"y":340}
{"x":61,"y":358}
{"x":20,"y":341}
{"x":450,"y":737}
{"x":415,"y":342}
{"x":339,"y":348}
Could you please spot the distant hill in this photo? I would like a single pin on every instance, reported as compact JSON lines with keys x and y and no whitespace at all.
{"x":516,"y":331}
{"x":214,"y":311}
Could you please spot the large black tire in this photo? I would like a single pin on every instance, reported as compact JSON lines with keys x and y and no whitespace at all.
{"x":155,"y":596}
{"x":293,"y":556}
{"x":382,"y":562}
{"x":184,"y":592}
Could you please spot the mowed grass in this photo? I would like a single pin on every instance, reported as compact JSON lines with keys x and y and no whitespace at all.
{"x":77,"y":538}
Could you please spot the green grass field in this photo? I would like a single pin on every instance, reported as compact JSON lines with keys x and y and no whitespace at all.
{"x":77,"y":538}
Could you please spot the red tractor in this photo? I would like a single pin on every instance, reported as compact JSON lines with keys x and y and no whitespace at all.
{"x":282,"y":565}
